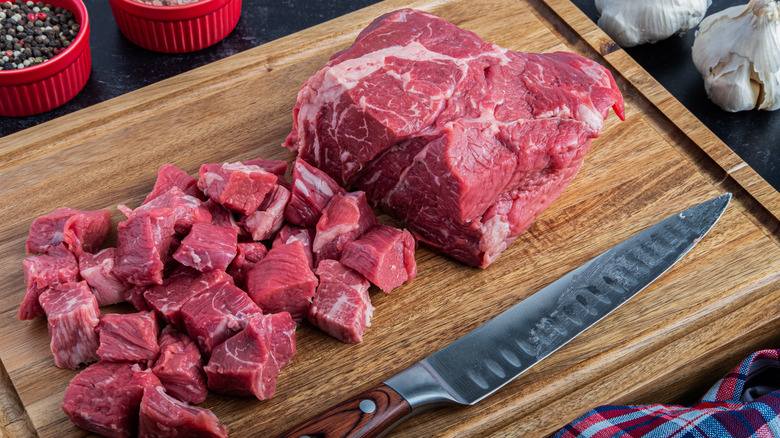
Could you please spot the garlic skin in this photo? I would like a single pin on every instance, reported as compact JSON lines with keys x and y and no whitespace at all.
{"x":737,"y":52}
{"x":634,"y":22}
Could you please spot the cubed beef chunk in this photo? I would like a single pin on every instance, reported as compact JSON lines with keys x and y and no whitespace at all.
{"x":180,"y":367}
{"x":266,"y":221}
{"x":97,"y":270}
{"x":208,"y":247}
{"x":184,"y":283}
{"x":187,"y":209}
{"x":246,"y":364}
{"x":42,"y":272}
{"x":290,"y":233}
{"x":105,"y":398}
{"x":311,"y":191}
{"x":128,"y":337}
{"x":161,"y":415}
{"x":282,"y":281}
{"x":72,"y":315}
{"x":341,"y":307}
{"x":135,"y":296}
{"x":247,"y":255}
{"x":217,"y":314}
{"x":384,"y":255}
{"x":345,"y":218}
{"x":144,"y":242}
{"x":79,"y":230}
{"x":169,"y":176}
{"x":236,"y":186}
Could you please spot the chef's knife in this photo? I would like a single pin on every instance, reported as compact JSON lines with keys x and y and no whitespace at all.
{"x":484,"y":360}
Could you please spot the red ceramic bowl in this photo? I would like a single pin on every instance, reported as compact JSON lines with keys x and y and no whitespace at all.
{"x":42,"y":87}
{"x":176,"y":29}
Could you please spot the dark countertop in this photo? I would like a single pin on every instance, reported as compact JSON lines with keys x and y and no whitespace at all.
{"x":753,"y":135}
{"x":119,"y":66}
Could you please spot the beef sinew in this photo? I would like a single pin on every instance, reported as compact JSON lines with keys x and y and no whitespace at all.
{"x":464,"y":141}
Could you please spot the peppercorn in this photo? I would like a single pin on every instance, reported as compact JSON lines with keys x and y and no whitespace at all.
{"x":33,"y":32}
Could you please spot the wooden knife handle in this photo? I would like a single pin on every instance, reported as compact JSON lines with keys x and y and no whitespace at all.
{"x":365,"y":415}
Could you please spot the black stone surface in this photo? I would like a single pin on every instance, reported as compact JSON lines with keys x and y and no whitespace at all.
{"x":119,"y":67}
{"x":753,"y":135}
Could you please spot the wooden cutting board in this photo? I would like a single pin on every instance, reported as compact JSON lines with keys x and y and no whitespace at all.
{"x":667,"y":345}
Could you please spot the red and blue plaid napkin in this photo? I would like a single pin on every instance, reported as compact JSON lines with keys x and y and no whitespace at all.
{"x":743,"y":404}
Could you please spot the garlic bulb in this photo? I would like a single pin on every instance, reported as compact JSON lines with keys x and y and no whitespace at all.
{"x":737,"y":52}
{"x":634,"y":22}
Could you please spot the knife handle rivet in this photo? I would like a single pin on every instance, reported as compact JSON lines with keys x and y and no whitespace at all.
{"x":367,"y":406}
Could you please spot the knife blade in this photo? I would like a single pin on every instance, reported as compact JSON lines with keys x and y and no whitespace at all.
{"x":495,"y":353}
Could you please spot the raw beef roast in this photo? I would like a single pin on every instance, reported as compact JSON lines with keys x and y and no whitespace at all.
{"x":464,"y":141}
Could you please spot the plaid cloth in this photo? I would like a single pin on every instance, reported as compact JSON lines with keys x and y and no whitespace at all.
{"x":743,"y":404}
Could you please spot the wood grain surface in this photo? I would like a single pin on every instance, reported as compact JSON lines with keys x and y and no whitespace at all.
{"x":668,"y":344}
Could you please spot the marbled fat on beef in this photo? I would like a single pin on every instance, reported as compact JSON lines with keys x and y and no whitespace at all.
{"x":217,"y":314}
{"x":41,"y":272}
{"x":180,"y":367}
{"x":266,"y":221}
{"x":161,"y":415}
{"x":282,"y":281}
{"x":384,"y":255}
{"x":462,"y":140}
{"x":97,"y":271}
{"x":344,"y":219}
{"x":184,"y":283}
{"x":311,"y":191}
{"x":144,"y":243}
{"x":208,"y":247}
{"x":72,"y":315}
{"x":79,"y":230}
{"x":341,"y":307}
{"x":249,"y":363}
{"x":105,"y":398}
{"x":128,"y":337}
{"x":236,"y":186}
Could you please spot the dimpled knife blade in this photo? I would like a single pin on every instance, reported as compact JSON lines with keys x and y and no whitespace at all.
{"x":492,"y":355}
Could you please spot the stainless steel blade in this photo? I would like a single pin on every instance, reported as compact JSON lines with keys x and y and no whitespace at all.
{"x":498,"y":351}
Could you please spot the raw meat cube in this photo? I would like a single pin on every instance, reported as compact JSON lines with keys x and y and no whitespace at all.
{"x":72,"y":315}
{"x":128,"y":337}
{"x":344,"y":219}
{"x":311,"y":191}
{"x":282,"y":281}
{"x":220,"y":215}
{"x":266,"y":221}
{"x":97,"y":270}
{"x":279,"y":331}
{"x":135,"y":296}
{"x":144,"y":242}
{"x":290,"y":233}
{"x":236,"y":186}
{"x":341,"y":307}
{"x":187,"y":209}
{"x":217,"y":314}
{"x":184,"y":283}
{"x":462,"y":140}
{"x":105,"y":398}
{"x":163,"y":416}
{"x":207,"y":247}
{"x":168,"y":176}
{"x":180,"y":367}
{"x":246,"y":364}
{"x":43,"y":271}
{"x":247,"y":255}
{"x":78,"y":230}
{"x":384,"y":255}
